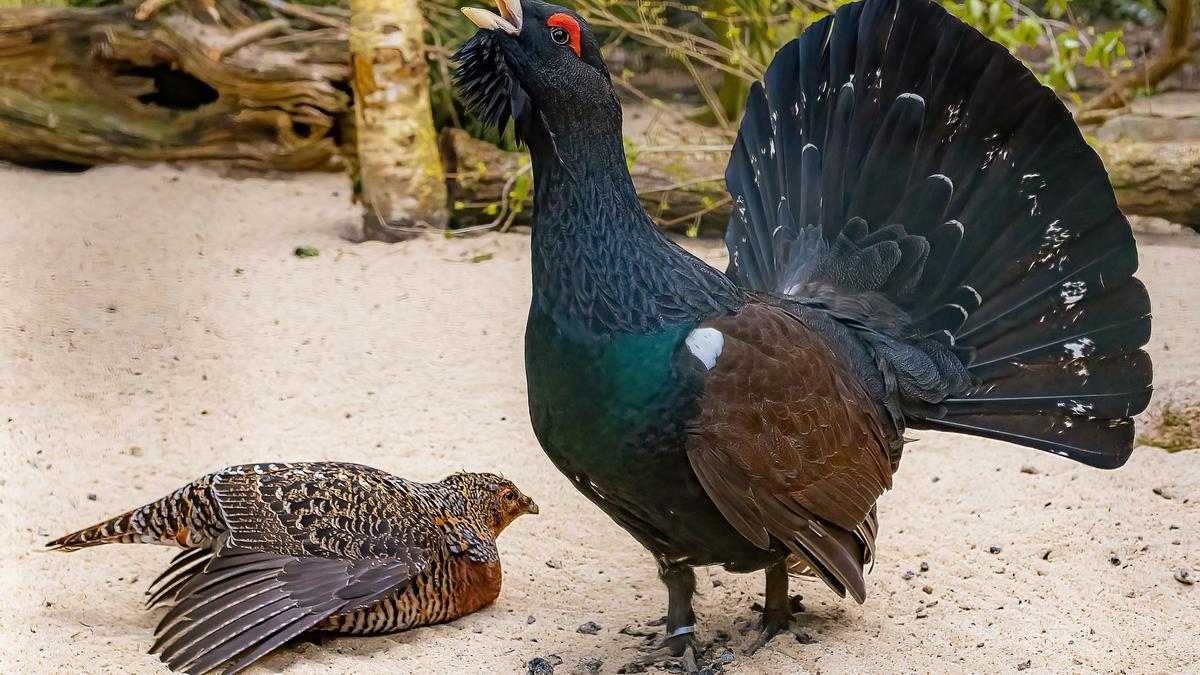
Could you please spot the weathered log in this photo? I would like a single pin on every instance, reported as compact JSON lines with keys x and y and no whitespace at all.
{"x":682,"y":190}
{"x":94,"y":86}
{"x":1150,"y":179}
{"x":399,"y":171}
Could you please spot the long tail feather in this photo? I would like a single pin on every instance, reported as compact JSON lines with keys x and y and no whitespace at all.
{"x":909,"y":177}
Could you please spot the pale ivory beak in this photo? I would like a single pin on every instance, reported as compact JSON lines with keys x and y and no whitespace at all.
{"x":508,"y":21}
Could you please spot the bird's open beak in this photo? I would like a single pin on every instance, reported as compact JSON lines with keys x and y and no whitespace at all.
{"x":509,"y":19}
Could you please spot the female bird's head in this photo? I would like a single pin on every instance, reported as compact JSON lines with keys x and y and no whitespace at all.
{"x":494,"y":499}
{"x":537,"y":64}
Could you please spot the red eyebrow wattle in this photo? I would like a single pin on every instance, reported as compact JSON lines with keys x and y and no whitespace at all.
{"x":569,"y":24}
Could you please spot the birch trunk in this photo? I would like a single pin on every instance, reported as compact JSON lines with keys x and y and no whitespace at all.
{"x":399,"y":170}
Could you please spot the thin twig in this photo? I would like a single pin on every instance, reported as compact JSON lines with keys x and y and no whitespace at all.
{"x":302,"y":13}
{"x":682,"y":184}
{"x":149,"y":7}
{"x":248,"y":36}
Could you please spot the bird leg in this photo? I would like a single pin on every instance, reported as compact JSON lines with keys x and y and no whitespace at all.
{"x":777,"y":611}
{"x":680,"y":643}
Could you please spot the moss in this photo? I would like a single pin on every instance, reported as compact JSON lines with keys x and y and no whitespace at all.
{"x":1175,"y":427}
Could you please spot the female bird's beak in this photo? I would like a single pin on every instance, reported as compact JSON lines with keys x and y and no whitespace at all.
{"x":508,"y":21}
{"x":531,"y":507}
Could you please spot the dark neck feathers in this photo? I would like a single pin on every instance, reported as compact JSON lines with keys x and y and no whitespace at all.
{"x":599,"y":261}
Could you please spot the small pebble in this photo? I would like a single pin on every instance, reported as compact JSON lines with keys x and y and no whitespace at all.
{"x":91,"y":496}
{"x":589,"y":667}
{"x":1184,"y":576}
{"x":924,"y":567}
{"x":589,"y":628}
{"x":805,"y":639}
{"x":994,"y":550}
{"x":539,"y":666}
{"x":1030,"y":470}
{"x":135,"y":451}
{"x":1024,"y":665}
{"x":530,"y":619}
{"x":554,"y":564}
{"x":1114,"y":561}
{"x":909,"y":575}
{"x":716,"y":583}
{"x":927,"y":589}
{"x":795,"y":604}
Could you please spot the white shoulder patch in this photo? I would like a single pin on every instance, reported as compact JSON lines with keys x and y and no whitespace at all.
{"x":706,"y":344}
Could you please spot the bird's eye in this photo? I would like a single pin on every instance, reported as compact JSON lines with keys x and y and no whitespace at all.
{"x":560,"y":36}
{"x":509,"y":496}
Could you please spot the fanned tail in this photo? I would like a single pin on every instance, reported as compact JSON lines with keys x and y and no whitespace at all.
{"x":909,"y":178}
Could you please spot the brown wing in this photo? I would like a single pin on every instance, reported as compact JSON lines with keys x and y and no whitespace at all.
{"x":324,"y":509}
{"x":789,"y":445}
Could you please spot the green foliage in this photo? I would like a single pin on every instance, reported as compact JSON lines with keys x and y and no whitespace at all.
{"x":306,"y":252}
{"x":1021,"y":30}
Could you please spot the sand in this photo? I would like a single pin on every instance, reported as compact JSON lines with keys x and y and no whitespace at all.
{"x":155,"y":326}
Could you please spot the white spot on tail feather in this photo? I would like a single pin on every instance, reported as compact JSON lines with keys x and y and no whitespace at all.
{"x":1072,"y":292}
{"x":1080,"y":348}
{"x":706,"y":345}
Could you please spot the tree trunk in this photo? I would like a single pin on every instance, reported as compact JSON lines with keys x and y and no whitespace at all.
{"x":399,"y":170}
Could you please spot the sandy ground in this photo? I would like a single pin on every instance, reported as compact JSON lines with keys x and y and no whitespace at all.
{"x":155,"y":325}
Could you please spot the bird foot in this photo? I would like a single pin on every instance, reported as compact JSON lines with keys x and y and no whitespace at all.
{"x":680,"y":648}
{"x":769,"y":625}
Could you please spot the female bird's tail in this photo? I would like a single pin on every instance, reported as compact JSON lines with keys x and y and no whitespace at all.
{"x":187,"y":517}
{"x":906,"y":176}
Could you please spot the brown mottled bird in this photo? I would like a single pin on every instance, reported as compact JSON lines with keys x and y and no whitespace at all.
{"x":276,"y":550}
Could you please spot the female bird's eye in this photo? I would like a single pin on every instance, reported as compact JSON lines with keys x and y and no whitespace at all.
{"x":509,"y":496}
{"x":560,"y":36}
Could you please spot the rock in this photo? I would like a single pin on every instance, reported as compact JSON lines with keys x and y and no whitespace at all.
{"x":716,"y":583}
{"x":554,"y":564}
{"x":588,"y":667}
{"x":994,"y":549}
{"x":91,"y":496}
{"x":909,"y":575}
{"x":1114,"y":561}
{"x":1030,"y":469}
{"x":924,"y":566}
{"x":1162,"y":492}
{"x":1184,"y":576}
{"x":928,"y":590}
{"x":796,"y":604}
{"x":1024,"y":665}
{"x":539,"y":666}
{"x":530,"y":619}
{"x":589,"y":628}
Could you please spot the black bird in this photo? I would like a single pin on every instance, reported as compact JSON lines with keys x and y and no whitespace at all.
{"x":921,"y":239}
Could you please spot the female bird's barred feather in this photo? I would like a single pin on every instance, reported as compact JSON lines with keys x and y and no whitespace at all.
{"x":276,"y":550}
